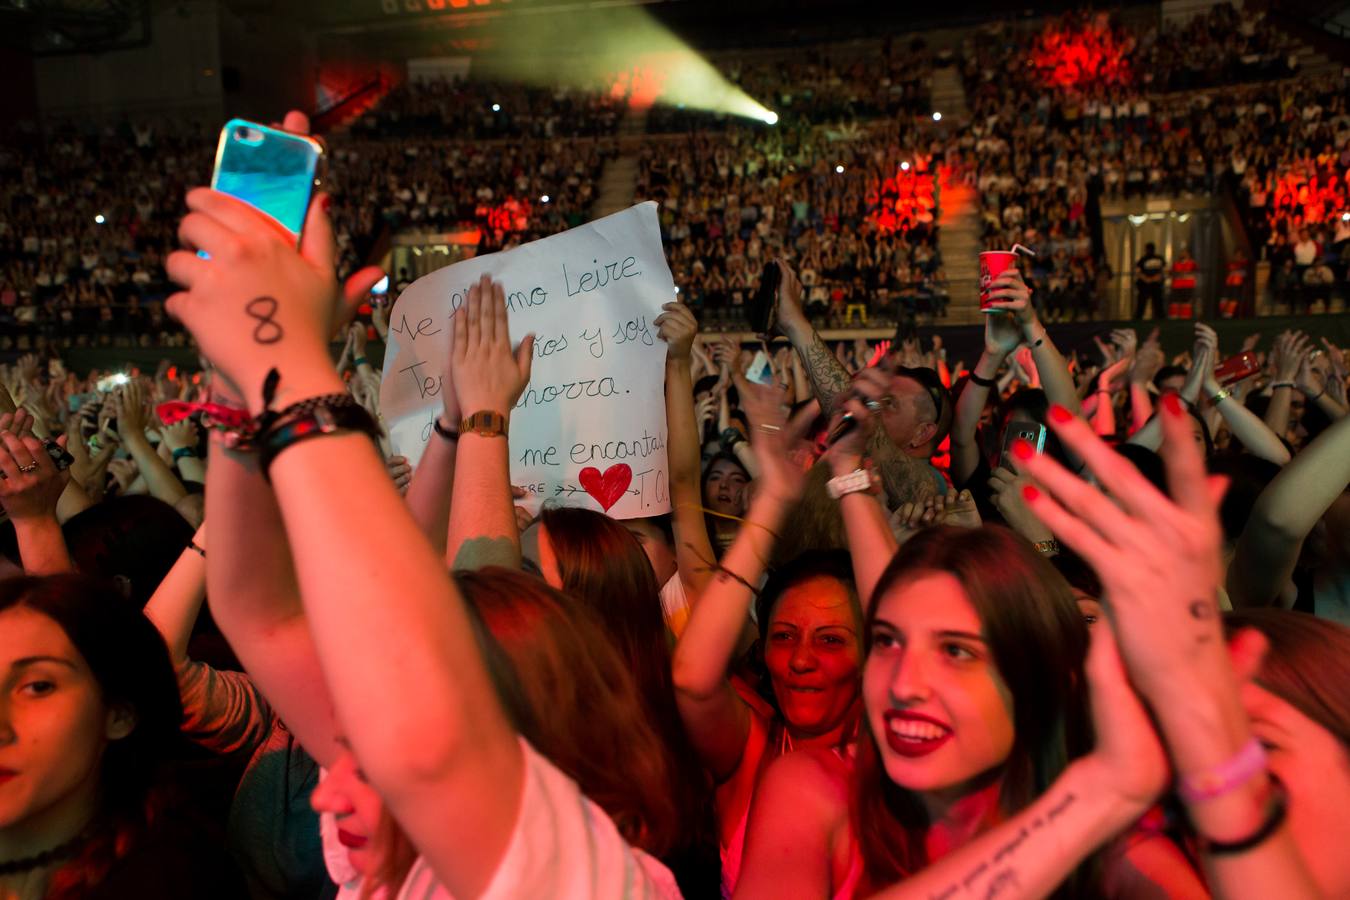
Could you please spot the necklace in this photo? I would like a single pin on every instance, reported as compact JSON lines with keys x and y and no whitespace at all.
{"x":46,"y":857}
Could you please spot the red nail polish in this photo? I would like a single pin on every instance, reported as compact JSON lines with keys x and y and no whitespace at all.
{"x":1031,"y":493}
{"x":1060,"y":414}
{"x":1173,"y":404}
{"x":326,"y":202}
{"x":1022,"y":450}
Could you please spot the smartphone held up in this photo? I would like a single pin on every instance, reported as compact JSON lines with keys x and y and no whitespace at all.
{"x":271,"y":170}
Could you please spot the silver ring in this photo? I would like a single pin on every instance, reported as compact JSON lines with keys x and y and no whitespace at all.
{"x":874,"y":405}
{"x":31,"y":467}
{"x":769,"y":429}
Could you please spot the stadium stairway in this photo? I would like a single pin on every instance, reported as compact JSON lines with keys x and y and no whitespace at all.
{"x":959,"y":243}
{"x":618,"y":182}
{"x":949,"y":95}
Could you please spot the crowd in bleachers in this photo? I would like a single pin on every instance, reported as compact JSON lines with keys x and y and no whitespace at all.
{"x":856,"y":208}
{"x":1063,"y":113}
{"x":442,"y":109}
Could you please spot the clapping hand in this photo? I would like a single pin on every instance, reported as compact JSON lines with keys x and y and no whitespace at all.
{"x":1159,"y":558}
{"x":30,"y":483}
{"x":487,"y":374}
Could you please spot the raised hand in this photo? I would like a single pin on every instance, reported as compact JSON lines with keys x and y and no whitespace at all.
{"x":1337,"y":357}
{"x":180,"y":435}
{"x":1125,"y":340}
{"x":400,"y":470}
{"x":677,"y":327}
{"x":30,"y":483}
{"x":1159,"y":558}
{"x":1290,"y":348}
{"x":356,"y":334}
{"x":791,"y":320}
{"x":1128,"y":760}
{"x":1002,"y":335}
{"x":1006,"y":490}
{"x":233,"y":302}
{"x":487,"y":374}
{"x":782,"y":473}
{"x":132,"y":418}
{"x":1148,"y":360}
{"x":1009,"y":293}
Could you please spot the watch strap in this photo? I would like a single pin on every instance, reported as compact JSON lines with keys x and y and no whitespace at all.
{"x":484,"y":423}
{"x":851,"y":483}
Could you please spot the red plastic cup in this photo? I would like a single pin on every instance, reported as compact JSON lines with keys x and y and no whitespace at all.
{"x":993,"y":263}
{"x":1236,"y":368}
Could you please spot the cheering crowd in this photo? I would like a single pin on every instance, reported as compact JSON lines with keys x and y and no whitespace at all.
{"x":1051,"y":621}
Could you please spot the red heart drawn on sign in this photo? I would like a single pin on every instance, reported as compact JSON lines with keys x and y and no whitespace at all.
{"x":609,"y":487}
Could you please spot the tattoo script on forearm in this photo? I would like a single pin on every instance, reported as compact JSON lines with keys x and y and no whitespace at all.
{"x":997,"y":875}
{"x":828,"y":377}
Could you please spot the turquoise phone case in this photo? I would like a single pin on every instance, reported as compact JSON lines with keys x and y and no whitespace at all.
{"x":272,"y":170}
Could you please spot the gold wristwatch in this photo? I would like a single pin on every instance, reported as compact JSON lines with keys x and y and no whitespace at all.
{"x":484,"y":423}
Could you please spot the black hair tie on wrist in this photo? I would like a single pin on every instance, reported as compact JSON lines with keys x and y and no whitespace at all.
{"x":1277,"y":809}
{"x":983,"y":382}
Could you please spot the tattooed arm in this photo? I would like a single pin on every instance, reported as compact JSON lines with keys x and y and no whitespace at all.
{"x":829,"y":378}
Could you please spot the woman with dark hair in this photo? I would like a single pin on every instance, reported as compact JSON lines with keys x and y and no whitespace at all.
{"x":725,"y":496}
{"x":88,"y":727}
{"x":597,"y":561}
{"x":1004,"y":644}
{"x":809,"y":621}
{"x":567,"y":692}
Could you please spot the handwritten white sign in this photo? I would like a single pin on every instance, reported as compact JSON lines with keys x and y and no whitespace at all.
{"x":590,"y":428}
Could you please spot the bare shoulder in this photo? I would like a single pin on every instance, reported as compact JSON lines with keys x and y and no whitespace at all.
{"x":818,"y":780}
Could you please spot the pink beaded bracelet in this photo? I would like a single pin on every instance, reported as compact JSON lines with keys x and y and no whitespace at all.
{"x":1247,"y":763}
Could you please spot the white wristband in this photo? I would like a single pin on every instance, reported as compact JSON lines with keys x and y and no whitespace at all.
{"x":852,"y":483}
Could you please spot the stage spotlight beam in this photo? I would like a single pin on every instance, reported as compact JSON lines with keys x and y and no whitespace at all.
{"x":624,"y":48}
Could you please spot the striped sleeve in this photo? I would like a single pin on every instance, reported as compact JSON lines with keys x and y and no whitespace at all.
{"x":223,"y":711}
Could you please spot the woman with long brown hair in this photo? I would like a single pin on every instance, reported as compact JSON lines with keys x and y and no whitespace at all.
{"x":567,"y":693}
{"x":602,"y":568}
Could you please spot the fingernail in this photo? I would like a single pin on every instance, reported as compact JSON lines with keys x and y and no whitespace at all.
{"x":326,"y":202}
{"x":1022,"y":450}
{"x":1031,"y":493}
{"x":1173,"y":404}
{"x":1060,"y":414}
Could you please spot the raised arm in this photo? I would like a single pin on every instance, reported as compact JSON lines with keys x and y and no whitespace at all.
{"x":1202,"y":362}
{"x":1010,"y":293}
{"x":829,"y":379}
{"x":174,"y":605}
{"x":677,"y":327}
{"x":429,"y":494}
{"x":1001,"y":337}
{"x":483,"y":529}
{"x":1246,"y":426}
{"x":132,"y":420}
{"x":1284,"y":514}
{"x":1290,"y":350}
{"x":395,"y":641}
{"x":716,"y":719}
{"x":254,"y":595}
{"x":871,"y":543}
{"x":182,"y":440}
{"x":1160,"y":563}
